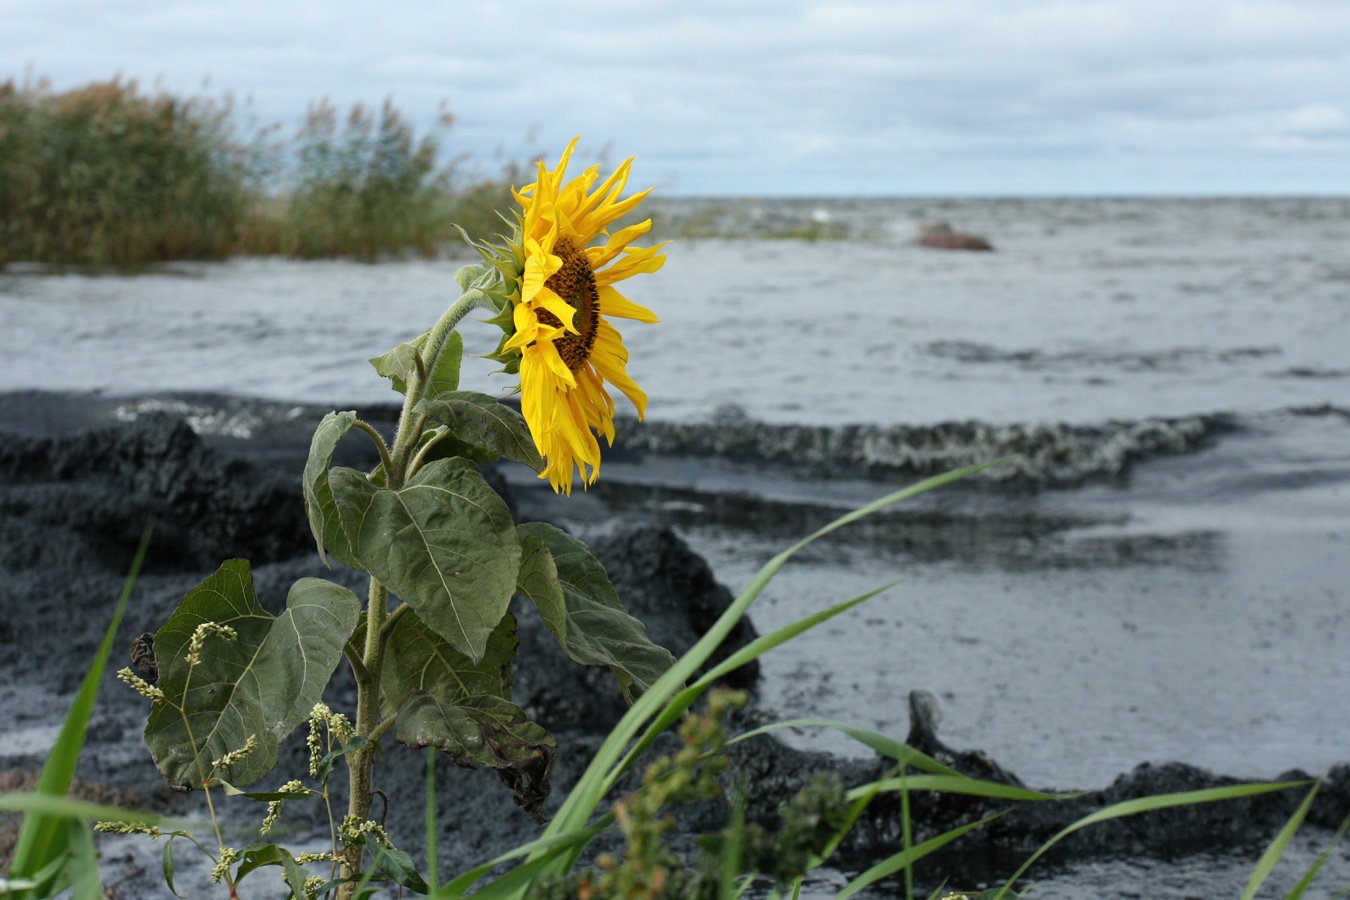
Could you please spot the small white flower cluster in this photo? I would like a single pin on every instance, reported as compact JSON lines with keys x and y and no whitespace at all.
{"x":311,"y":887}
{"x":199,"y":636}
{"x":274,"y":806}
{"x":131,"y":828}
{"x":228,"y":857}
{"x":354,"y":830}
{"x":339,"y":727}
{"x":140,"y":685}
{"x":235,"y":755}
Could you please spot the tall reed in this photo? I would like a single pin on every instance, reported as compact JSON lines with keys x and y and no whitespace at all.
{"x":106,"y":174}
{"x":367,"y":188}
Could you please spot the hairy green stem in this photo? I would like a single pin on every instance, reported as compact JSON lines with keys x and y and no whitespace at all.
{"x":354,"y":659}
{"x":440,"y":333}
{"x":378,"y":439}
{"x":368,"y":665}
{"x":399,"y":612}
{"x":361,"y":763}
{"x":419,"y":460}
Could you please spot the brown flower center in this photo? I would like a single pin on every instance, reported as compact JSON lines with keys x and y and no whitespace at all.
{"x":575,"y":283}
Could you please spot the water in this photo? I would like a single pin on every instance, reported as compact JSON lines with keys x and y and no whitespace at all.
{"x":1076,"y":620}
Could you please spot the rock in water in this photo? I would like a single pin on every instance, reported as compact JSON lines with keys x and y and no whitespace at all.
{"x":941,"y":236}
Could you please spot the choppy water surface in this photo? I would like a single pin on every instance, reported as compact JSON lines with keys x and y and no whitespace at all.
{"x":1166,"y":575}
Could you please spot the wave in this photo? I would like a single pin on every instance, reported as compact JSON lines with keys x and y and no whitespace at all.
{"x":1171,"y":359}
{"x":1041,"y":453}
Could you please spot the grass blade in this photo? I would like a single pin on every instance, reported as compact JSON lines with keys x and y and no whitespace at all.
{"x":1266,"y":864}
{"x":893,"y":864}
{"x":1316,"y":868}
{"x":544,"y":847}
{"x":611,"y":758}
{"x":756,"y":648}
{"x":957,"y":784}
{"x":1148,"y":804}
{"x":431,"y":831}
{"x":61,"y":807}
{"x":886,"y":746}
{"x":44,"y":835}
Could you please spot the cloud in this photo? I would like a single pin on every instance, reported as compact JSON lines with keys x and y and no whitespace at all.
{"x":784,"y":97}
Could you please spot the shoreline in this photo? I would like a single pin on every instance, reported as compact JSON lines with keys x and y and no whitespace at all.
{"x":64,"y":557}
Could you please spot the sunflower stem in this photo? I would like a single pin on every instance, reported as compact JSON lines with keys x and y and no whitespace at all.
{"x":440,"y":332}
{"x":368,"y":665}
{"x":361,"y":762}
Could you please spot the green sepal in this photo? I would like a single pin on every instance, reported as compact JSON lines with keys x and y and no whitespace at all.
{"x":475,"y":276}
{"x":501,"y":284}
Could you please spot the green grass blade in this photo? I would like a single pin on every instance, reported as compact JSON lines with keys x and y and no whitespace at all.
{"x":544,"y":847}
{"x":61,"y":807}
{"x":1148,"y":804}
{"x":1315,"y":869}
{"x":85,"y":883}
{"x":519,"y":880}
{"x":431,"y":830}
{"x":958,"y":784}
{"x":687,"y":697}
{"x":591,"y":788}
{"x":610,"y":759}
{"x":893,"y":864}
{"x":43,"y":836}
{"x":1266,"y":864}
{"x":886,"y":746}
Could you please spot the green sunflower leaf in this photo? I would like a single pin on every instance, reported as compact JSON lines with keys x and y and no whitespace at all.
{"x":319,"y":506}
{"x":445,"y":376}
{"x":418,"y":660}
{"x":444,"y":543}
{"x":485,"y":731}
{"x":400,"y":364}
{"x":264,"y":683}
{"x":447,"y":446}
{"x":538,"y":581}
{"x":582,"y":610}
{"x":480,"y":421}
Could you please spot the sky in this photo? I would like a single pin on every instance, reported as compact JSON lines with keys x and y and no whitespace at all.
{"x":775,"y":97}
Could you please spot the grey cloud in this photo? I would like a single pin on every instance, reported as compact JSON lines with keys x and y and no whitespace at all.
{"x":818,"y":96}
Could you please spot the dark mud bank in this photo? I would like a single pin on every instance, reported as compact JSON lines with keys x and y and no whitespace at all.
{"x":77,"y":487}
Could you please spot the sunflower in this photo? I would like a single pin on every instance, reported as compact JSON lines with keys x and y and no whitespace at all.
{"x":562,"y":264}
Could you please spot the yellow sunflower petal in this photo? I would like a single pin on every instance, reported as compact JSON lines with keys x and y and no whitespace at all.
{"x":563,"y":296}
{"x":612,"y":303}
{"x":611,"y":362}
{"x":616,"y":243}
{"x":540,"y":264}
{"x":636,"y":260}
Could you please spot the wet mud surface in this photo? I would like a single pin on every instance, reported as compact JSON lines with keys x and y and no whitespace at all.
{"x":78,"y":482}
